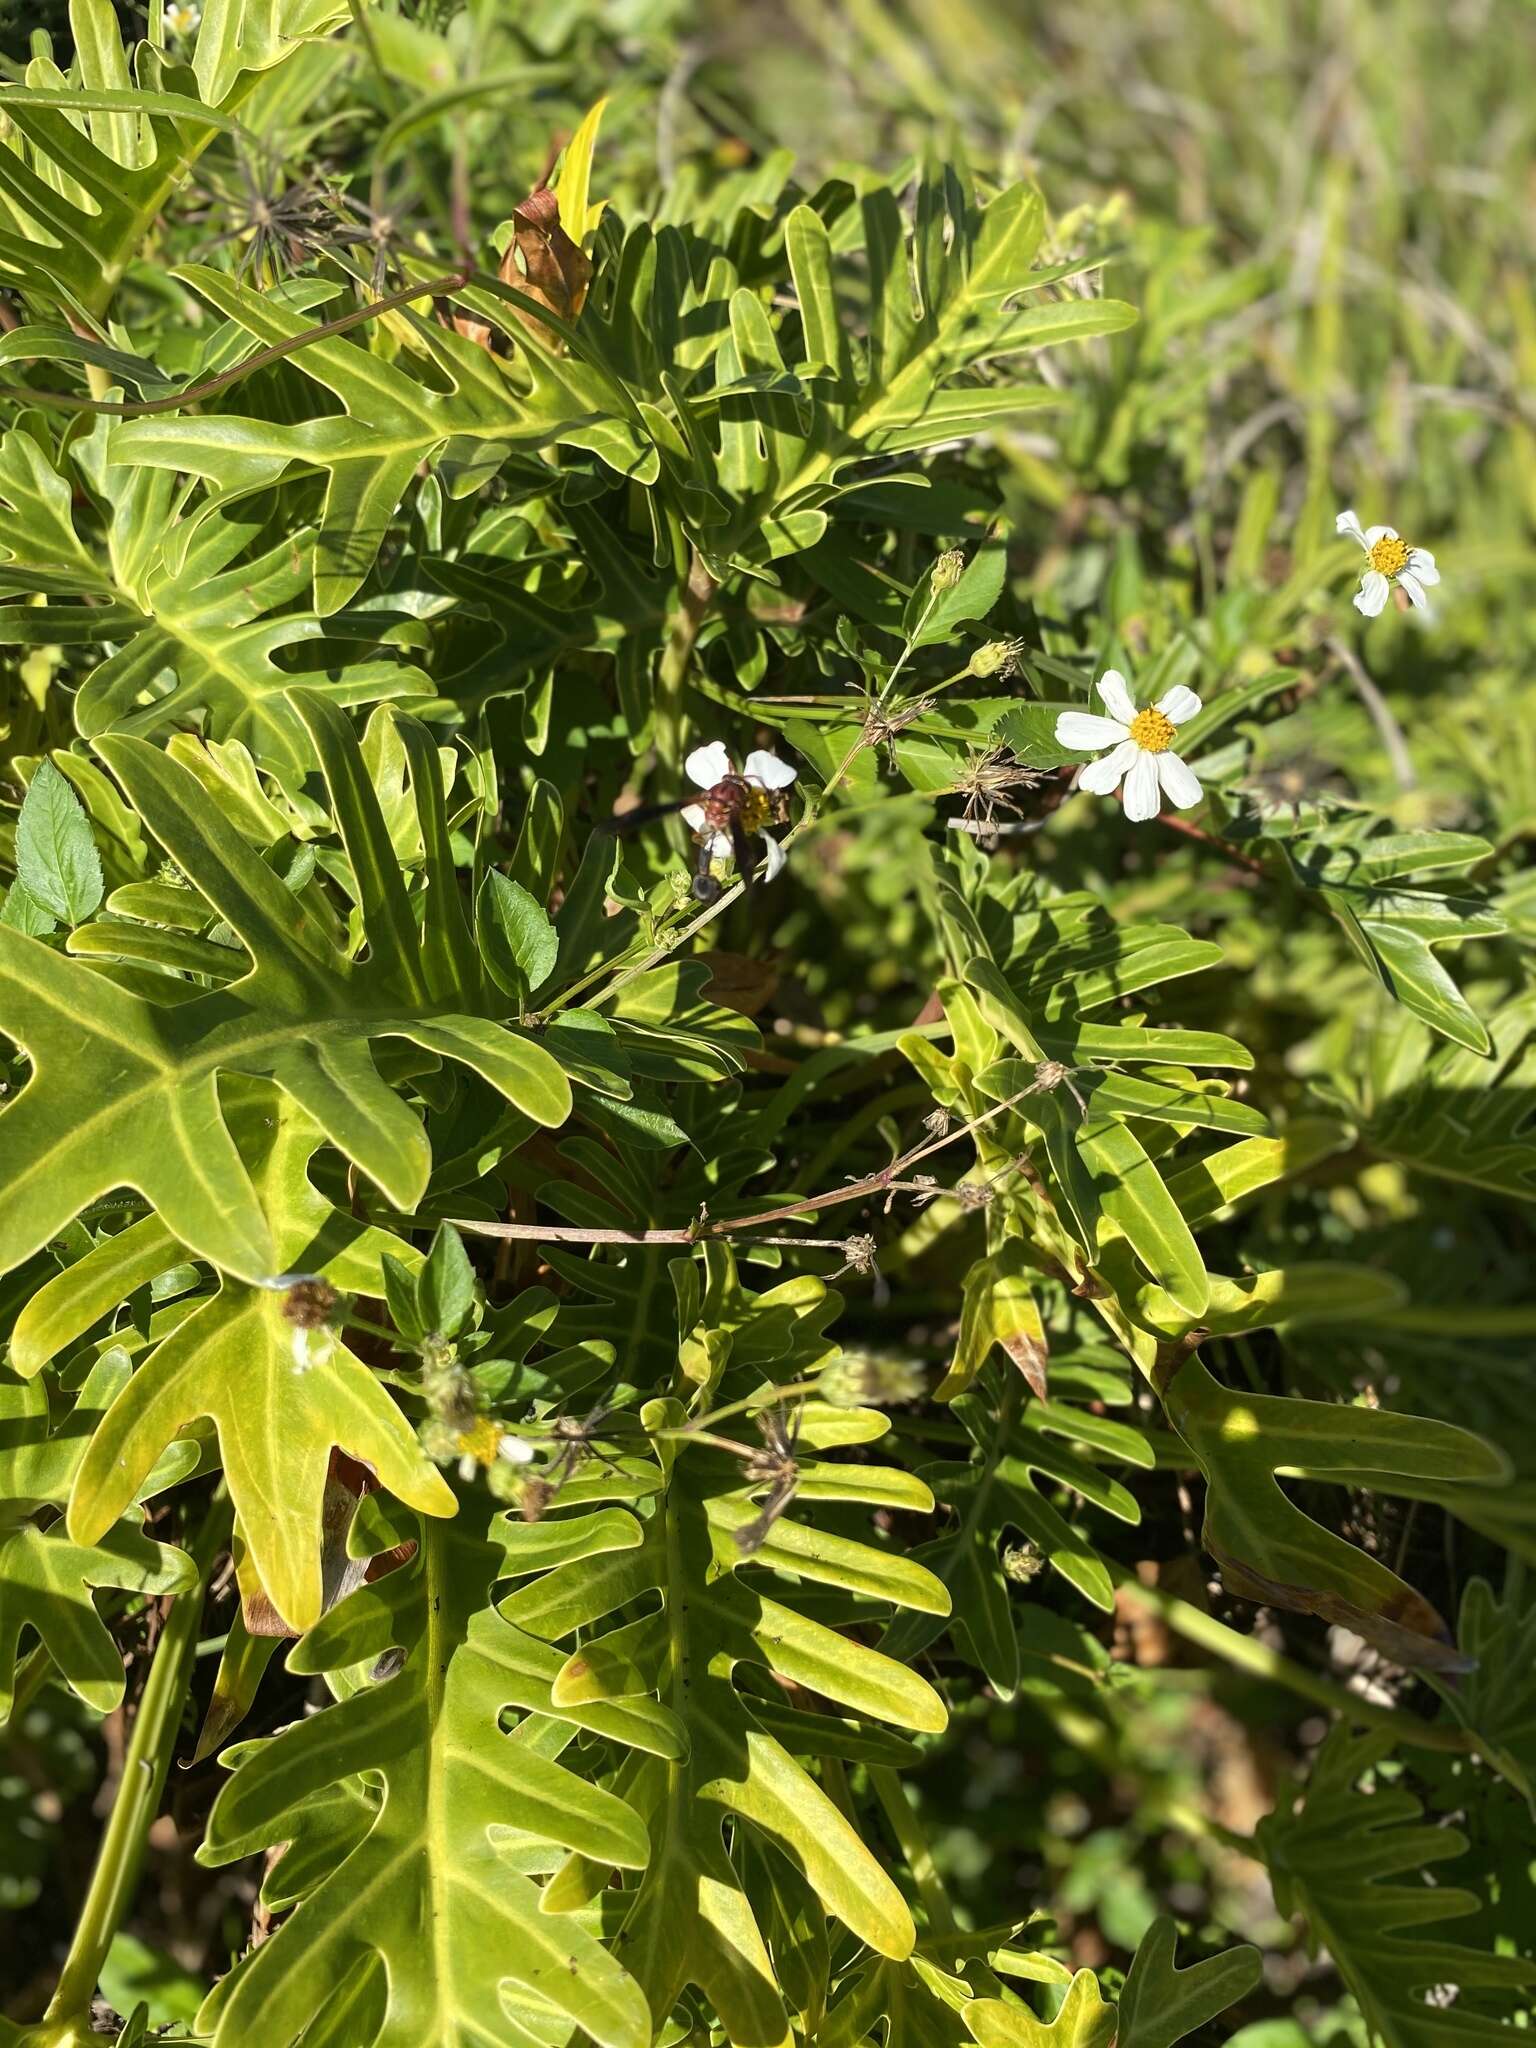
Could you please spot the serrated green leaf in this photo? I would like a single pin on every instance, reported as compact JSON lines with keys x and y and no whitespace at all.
{"x":517,"y":940}
{"x":56,"y":858}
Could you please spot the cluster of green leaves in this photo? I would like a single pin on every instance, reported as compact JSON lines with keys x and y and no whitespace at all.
{"x":644,"y":1586}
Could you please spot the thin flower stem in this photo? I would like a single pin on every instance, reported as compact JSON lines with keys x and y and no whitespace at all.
{"x":1222,"y":846}
{"x":139,"y":408}
{"x":145,"y":1765}
{"x":794,"y":1391}
{"x":694,"y":1233}
{"x":906,"y":653}
{"x":1391,"y":733}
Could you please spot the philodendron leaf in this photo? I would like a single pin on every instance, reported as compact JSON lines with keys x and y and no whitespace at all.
{"x":1109,"y":1184}
{"x":56,"y":858}
{"x":1270,"y":1551}
{"x":47,"y":1577}
{"x":1084,"y":2020}
{"x":1465,"y":1116}
{"x":463,"y":1800}
{"x":998,"y":1308}
{"x":125,"y":1092}
{"x":394,"y":421}
{"x":280,"y":1396}
{"x":1332,"y":1849}
{"x":1161,"y":2003}
{"x":1496,"y":1700}
{"x":690,"y":1922}
{"x":1372,"y":887}
{"x":224,"y":625}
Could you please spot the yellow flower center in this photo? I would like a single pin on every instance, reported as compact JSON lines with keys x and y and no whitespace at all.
{"x":480,"y":1441}
{"x":1152,"y":730}
{"x":756,"y":810}
{"x":1389,"y":557}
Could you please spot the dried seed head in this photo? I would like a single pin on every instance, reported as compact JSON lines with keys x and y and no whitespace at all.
{"x":947,"y":571}
{"x":310,"y":1304}
{"x":1023,"y":1562}
{"x":1050,"y":1074}
{"x":533,"y":1497}
{"x":974,"y":1194}
{"x":937,"y":1122}
{"x":860,"y":1253}
{"x":881,"y":726}
{"x":988,"y":782}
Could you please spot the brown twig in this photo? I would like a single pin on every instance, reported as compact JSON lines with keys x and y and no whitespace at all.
{"x":694,"y":1233}
{"x":67,"y":401}
{"x":1221,"y":846}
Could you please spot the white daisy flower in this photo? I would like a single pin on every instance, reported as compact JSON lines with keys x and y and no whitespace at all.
{"x":484,"y":1442}
{"x":313,"y":1347}
{"x":1140,"y":747}
{"x":747,"y":796}
{"x":1391,"y":561}
{"x":181,"y":18}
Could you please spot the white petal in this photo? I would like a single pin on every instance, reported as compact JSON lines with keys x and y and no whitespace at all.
{"x":708,"y":765}
{"x":766,"y":768}
{"x":773,"y":858}
{"x":1103,"y":775}
{"x":515,"y":1449}
{"x":1117,"y":698}
{"x":1143,"y":799}
{"x":1422,"y":563}
{"x":1376,"y":533}
{"x":1180,"y":783}
{"x":1084,"y":729}
{"x":1348,"y":523}
{"x":719,"y":843}
{"x":1178,"y":704}
{"x":1372,"y":594}
{"x":1415,"y":589}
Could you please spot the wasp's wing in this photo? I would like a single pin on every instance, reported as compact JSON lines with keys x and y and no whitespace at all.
{"x":642,"y":814}
{"x":745,"y":852}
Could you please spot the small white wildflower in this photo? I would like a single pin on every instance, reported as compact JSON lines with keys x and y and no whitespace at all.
{"x":1140,"y":747}
{"x":312,"y":1346}
{"x":182,"y":18}
{"x":747,"y":796}
{"x":1391,"y":560}
{"x":484,"y":1441}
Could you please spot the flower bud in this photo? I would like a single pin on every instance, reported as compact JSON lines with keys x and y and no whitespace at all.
{"x":947,"y":571}
{"x":998,"y":658}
